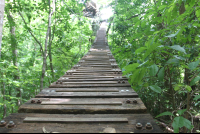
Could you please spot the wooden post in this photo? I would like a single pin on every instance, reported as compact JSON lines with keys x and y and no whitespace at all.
{"x":2,"y":5}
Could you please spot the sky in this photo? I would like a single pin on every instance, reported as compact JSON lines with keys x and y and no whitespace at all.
{"x":106,"y":12}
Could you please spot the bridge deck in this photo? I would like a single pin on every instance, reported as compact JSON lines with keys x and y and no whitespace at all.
{"x":91,"y":97}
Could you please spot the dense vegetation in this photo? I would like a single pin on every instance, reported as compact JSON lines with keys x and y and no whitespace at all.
{"x":41,"y":40}
{"x":156,"y":43}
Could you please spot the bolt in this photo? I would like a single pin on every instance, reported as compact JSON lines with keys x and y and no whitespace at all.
{"x":135,"y":101}
{"x":11,"y":124}
{"x":119,"y":81}
{"x":149,"y":126}
{"x":128,"y":101}
{"x":139,"y":126}
{"x":3,"y":123}
{"x":32,"y":101}
{"x":39,"y":102}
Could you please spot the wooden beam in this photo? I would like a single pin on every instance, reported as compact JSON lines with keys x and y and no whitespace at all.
{"x":87,"y":90}
{"x":80,"y":103}
{"x":75,"y":120}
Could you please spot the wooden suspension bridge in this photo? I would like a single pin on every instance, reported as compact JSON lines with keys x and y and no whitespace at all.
{"x":92,"y":97}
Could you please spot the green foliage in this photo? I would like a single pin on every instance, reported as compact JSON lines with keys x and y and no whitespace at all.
{"x":68,"y":35}
{"x":180,"y":122}
{"x":165,"y":113}
{"x":162,"y":63}
{"x":156,"y":88}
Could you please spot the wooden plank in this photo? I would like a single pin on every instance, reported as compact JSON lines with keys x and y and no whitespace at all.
{"x":95,"y":73}
{"x":92,"y":89}
{"x":91,"y":82}
{"x":87,"y":95}
{"x":99,"y":79}
{"x":79,"y":103}
{"x":91,"y":70}
{"x":80,"y":127}
{"x":75,"y":120}
{"x":87,"y":90}
{"x":88,"y":85}
{"x":124,"y":108}
{"x":93,"y":76}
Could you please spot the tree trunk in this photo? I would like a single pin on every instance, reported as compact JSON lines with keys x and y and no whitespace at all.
{"x":51,"y":39}
{"x":2,"y":5}
{"x":14,"y":53}
{"x":4,"y":99}
{"x":45,"y":49}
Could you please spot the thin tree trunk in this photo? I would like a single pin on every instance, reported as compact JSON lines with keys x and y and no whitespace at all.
{"x":50,"y":40}
{"x":2,"y":5}
{"x":14,"y":53}
{"x":4,"y":99}
{"x":45,"y":49}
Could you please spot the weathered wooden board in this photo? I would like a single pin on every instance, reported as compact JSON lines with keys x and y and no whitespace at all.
{"x":93,"y":68}
{"x":128,"y":127}
{"x":88,"y":85}
{"x":91,"y":82}
{"x":99,"y":79}
{"x":87,"y":95}
{"x":87,"y":90}
{"x":79,"y":103}
{"x":96,"y":59}
{"x":74,"y":120}
{"x":94,"y":73}
{"x":93,"y":76}
{"x":125,"y":108}
{"x":91,"y":71}
{"x":93,"y":89}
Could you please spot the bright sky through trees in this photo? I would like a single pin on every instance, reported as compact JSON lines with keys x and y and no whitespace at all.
{"x":106,"y":12}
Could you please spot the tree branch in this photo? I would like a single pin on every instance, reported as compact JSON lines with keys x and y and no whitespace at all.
{"x":135,"y":15}
{"x":31,"y":33}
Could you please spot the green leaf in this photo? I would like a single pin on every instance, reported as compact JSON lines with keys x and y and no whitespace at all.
{"x":155,"y":88}
{"x":198,"y":14}
{"x":197,"y":97}
{"x":194,"y":80}
{"x":178,"y":87}
{"x":180,"y":112}
{"x":178,"y":48}
{"x":188,"y":88}
{"x":173,"y":35}
{"x":139,"y":50}
{"x":161,"y":74}
{"x":153,"y":70}
{"x":173,"y":61}
{"x":150,"y":49}
{"x":135,"y":76}
{"x":193,"y":65}
{"x":142,"y":73}
{"x":165,"y":113}
{"x":131,"y":68}
{"x":180,"y":122}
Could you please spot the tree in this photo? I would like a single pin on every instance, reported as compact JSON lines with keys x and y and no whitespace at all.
{"x":41,"y":42}
{"x":2,"y":5}
{"x":157,"y":44}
